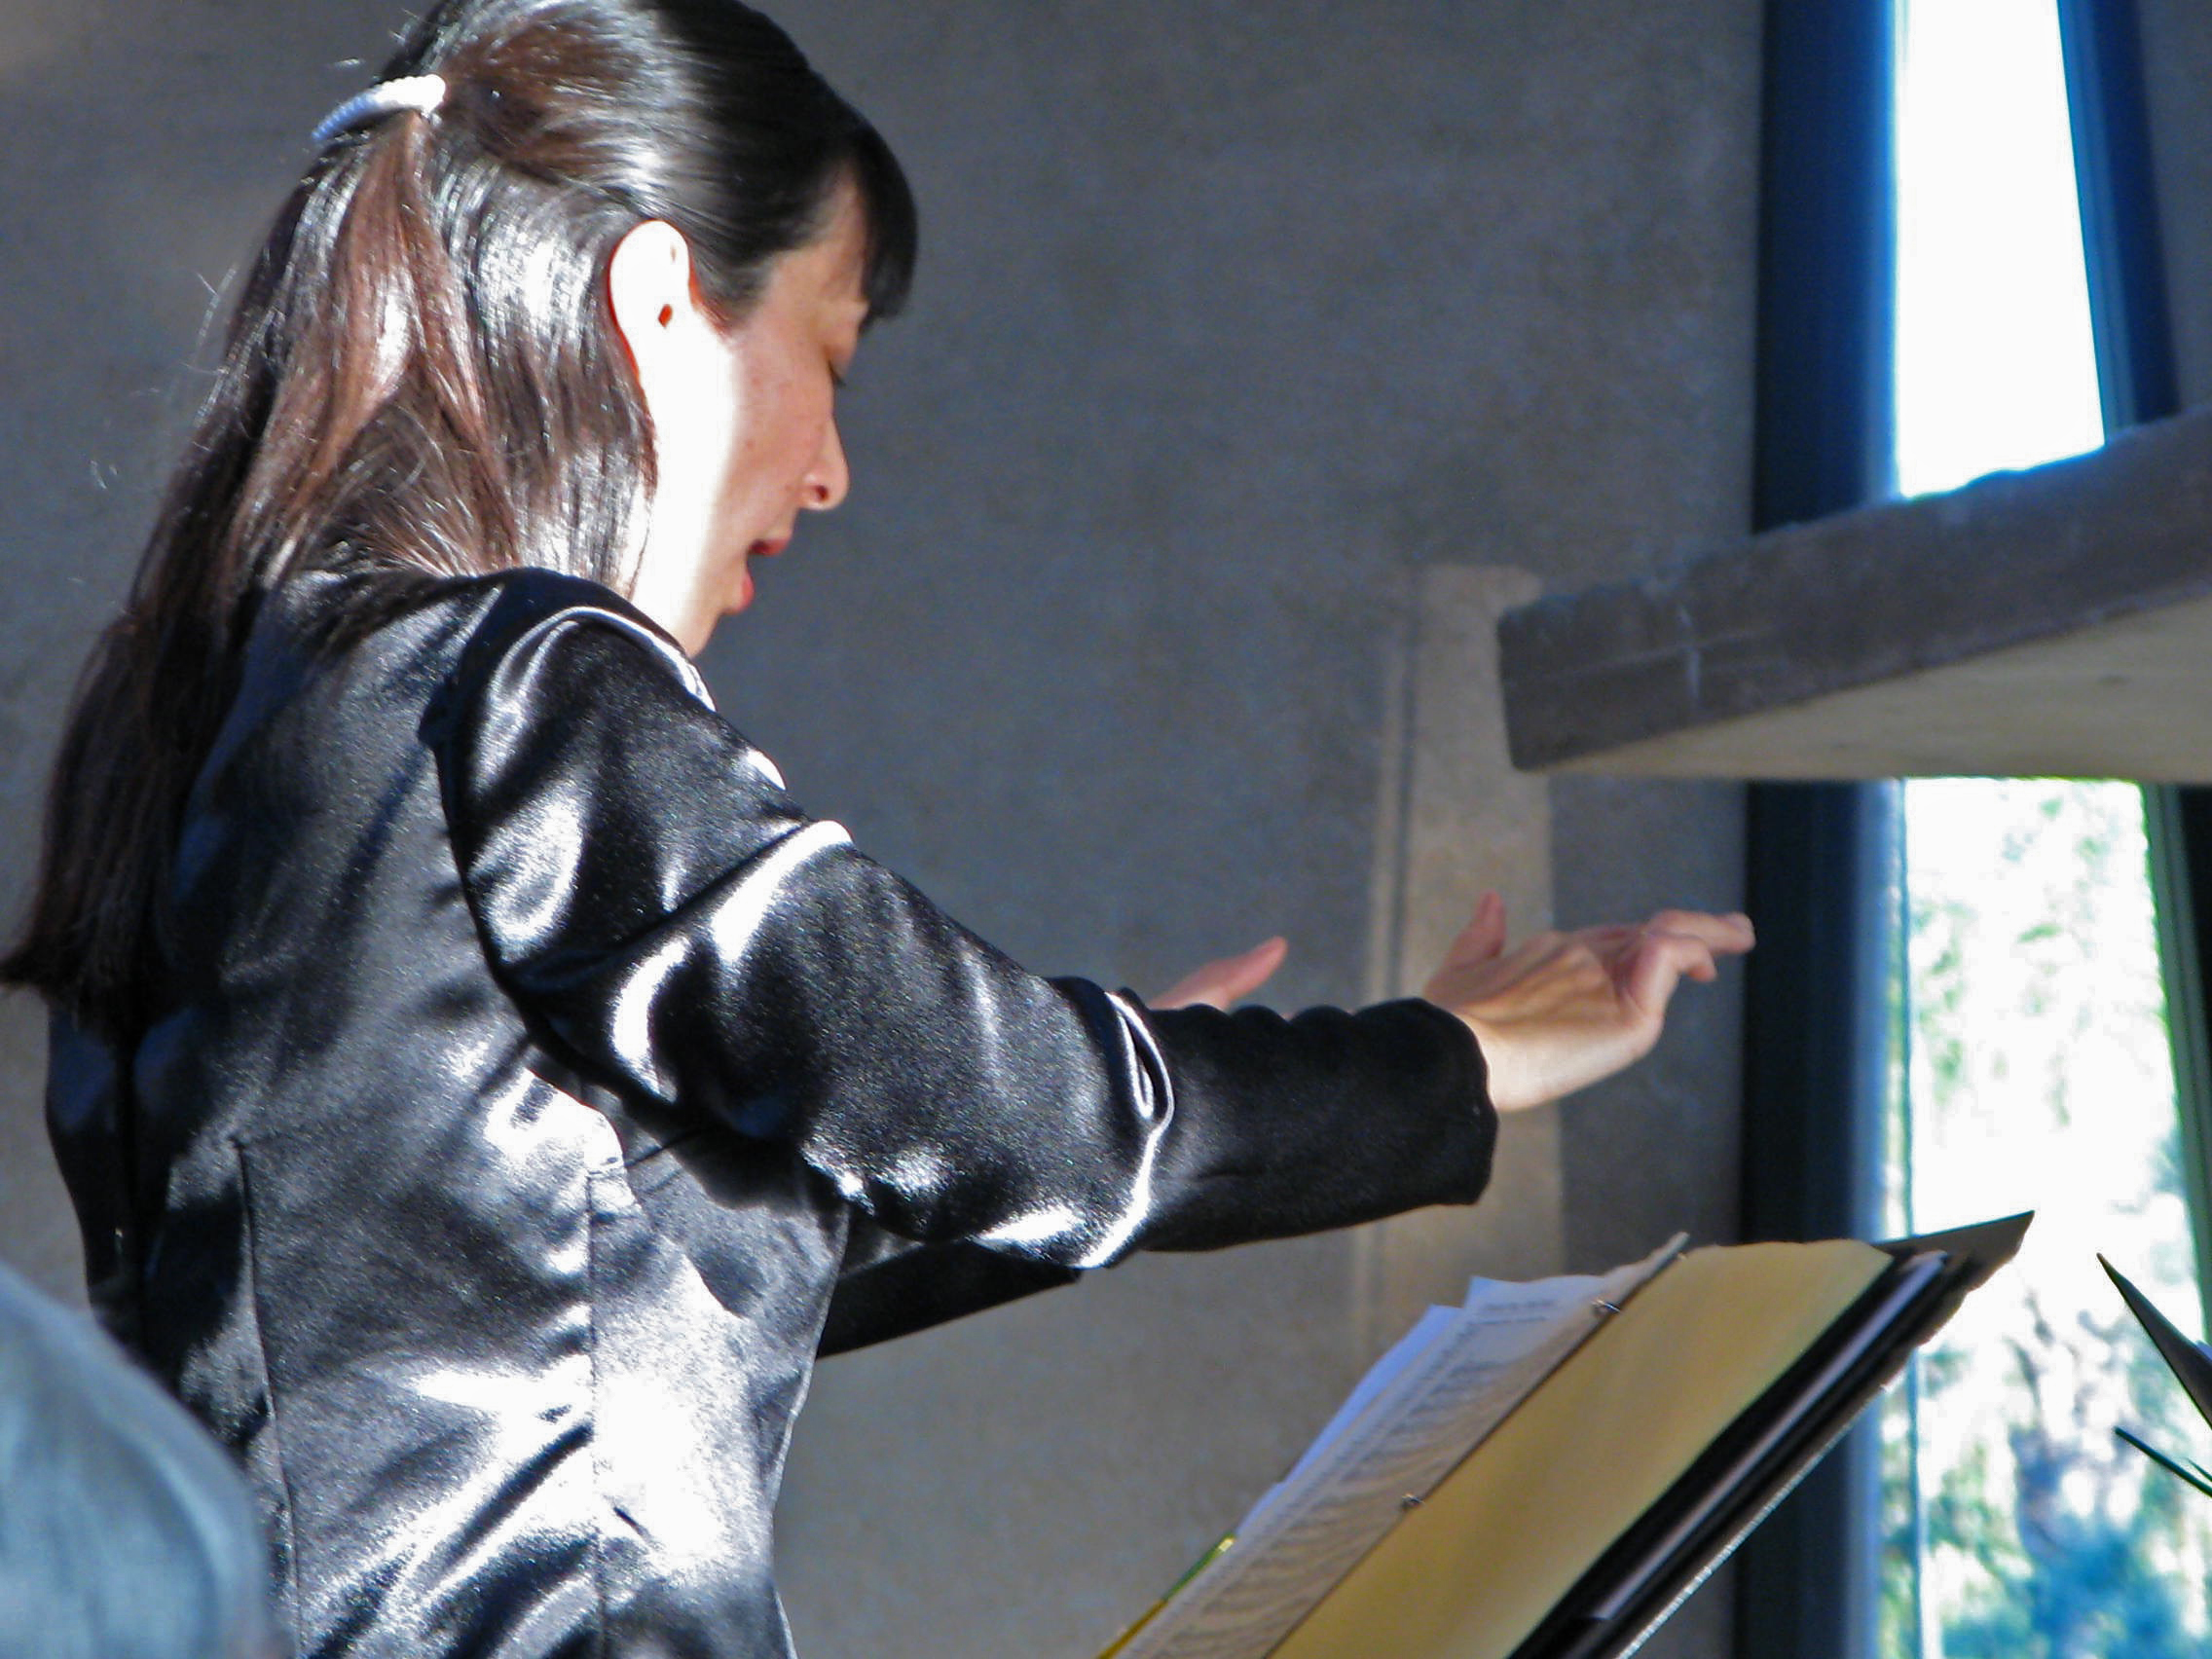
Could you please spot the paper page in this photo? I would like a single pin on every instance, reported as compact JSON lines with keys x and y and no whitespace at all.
{"x":1502,"y":1306}
{"x":1432,"y":1327}
{"x":1471,"y":1572}
{"x":1437,"y":1398}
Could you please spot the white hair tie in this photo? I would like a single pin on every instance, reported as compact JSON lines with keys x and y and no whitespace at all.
{"x":421,"y":94}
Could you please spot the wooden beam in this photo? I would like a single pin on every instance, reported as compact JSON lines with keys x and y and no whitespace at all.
{"x":2056,"y":622}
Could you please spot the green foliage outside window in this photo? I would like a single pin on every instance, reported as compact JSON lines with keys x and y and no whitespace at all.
{"x":2033,"y":1059}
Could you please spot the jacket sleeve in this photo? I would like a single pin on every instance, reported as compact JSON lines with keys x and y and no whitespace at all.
{"x":647,"y":889}
{"x":892,"y":1288}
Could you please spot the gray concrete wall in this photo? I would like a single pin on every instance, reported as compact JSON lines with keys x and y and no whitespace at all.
{"x":1230,"y":316}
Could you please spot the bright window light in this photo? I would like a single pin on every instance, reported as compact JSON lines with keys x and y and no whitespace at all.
{"x":1996,"y":366}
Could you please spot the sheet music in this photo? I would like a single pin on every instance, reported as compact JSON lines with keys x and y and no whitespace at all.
{"x":1432,"y":1327}
{"x":1417,"y":1412}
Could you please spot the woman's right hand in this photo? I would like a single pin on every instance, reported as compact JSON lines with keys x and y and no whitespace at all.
{"x":1560,"y":1011}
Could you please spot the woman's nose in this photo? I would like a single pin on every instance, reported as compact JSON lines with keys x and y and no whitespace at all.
{"x":829,"y":478}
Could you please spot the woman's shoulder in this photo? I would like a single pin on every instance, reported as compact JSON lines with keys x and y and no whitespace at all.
{"x":524,"y":611}
{"x":346,"y":673}
{"x":460,"y":631}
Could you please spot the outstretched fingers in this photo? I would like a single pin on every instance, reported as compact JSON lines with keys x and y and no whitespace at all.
{"x":1483,"y":936}
{"x":1227,"y":980}
{"x":1728,"y":935}
{"x":1561,"y":1010}
{"x":1677,"y":946}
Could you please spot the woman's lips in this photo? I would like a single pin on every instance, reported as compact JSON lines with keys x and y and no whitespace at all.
{"x":765,"y":549}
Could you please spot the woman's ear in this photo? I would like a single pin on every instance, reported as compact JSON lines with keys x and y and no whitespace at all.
{"x":684,"y":361}
{"x":657,"y":311}
{"x":686,"y":369}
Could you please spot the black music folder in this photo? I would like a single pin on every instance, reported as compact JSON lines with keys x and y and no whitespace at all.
{"x":1547,"y":1471}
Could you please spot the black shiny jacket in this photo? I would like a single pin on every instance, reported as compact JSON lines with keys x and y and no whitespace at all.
{"x":539,"y":1090}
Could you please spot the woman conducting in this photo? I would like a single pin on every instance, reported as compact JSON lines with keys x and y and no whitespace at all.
{"x":484,"y":1090}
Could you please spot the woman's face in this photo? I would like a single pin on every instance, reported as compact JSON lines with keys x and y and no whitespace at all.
{"x":744,"y":427}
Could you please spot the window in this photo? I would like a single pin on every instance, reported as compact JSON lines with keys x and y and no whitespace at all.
{"x":2030,"y":1058}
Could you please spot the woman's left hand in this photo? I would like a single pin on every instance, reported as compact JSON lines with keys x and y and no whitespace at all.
{"x":1219,"y":983}
{"x":1564,"y":1009}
